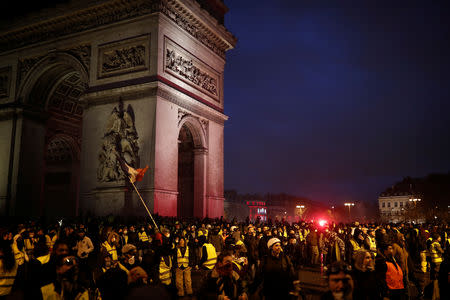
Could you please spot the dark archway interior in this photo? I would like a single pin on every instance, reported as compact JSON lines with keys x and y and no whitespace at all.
{"x":185,"y":173}
{"x":53,"y":170}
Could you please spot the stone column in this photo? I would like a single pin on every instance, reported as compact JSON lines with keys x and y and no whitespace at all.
{"x":200,"y":203}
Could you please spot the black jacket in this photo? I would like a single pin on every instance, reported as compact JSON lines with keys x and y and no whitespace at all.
{"x":277,"y":275}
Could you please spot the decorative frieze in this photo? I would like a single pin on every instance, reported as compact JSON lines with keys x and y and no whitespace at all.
{"x":177,"y":14}
{"x":185,"y":66}
{"x":5,"y":82}
{"x":112,"y":12}
{"x":126,"y":56}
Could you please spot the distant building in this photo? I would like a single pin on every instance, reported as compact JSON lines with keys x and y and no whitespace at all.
{"x":393,"y":207}
{"x":257,"y":209}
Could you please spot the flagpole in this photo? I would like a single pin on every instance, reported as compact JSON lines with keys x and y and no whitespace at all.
{"x":140,"y":197}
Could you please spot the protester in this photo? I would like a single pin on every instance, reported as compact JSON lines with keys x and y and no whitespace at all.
{"x":389,"y":274}
{"x":340,"y":283}
{"x":187,"y":250}
{"x":276,"y":272}
{"x":222,"y":282}
{"x":363,"y":274}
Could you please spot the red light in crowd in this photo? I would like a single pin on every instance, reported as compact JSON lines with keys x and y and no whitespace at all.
{"x":322,"y":223}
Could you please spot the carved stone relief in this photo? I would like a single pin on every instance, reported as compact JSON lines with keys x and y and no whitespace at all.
{"x":203,"y":122}
{"x":83,"y":54}
{"x":120,"y":142}
{"x":130,"y":55}
{"x":25,"y":66}
{"x":110,"y":13}
{"x":5,"y":82}
{"x":190,"y":69}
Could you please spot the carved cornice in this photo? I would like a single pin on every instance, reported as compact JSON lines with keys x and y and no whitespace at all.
{"x":206,"y":113}
{"x":112,"y":12}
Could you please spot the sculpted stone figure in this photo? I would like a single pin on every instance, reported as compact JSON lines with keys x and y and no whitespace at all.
{"x":119,"y":140}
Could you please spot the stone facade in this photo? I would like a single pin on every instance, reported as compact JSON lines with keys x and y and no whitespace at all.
{"x":93,"y":83}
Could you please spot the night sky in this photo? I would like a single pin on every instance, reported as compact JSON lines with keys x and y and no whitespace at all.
{"x":336,"y":100}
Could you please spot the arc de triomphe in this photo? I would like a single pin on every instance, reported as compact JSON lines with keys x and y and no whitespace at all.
{"x":88,"y":82}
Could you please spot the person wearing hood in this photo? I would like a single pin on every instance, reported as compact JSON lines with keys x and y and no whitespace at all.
{"x":355,"y":244}
{"x":66,"y":285}
{"x":222,"y":283}
{"x":363,"y":275}
{"x":276,"y":273}
{"x":110,"y":245}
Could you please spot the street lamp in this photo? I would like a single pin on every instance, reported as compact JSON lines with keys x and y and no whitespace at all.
{"x":301,"y":209}
{"x":349,"y":205}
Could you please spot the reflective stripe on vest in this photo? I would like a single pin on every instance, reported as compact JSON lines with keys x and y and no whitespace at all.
{"x":111,"y":250}
{"x":212,"y":256}
{"x":394,"y":277}
{"x":143,"y":236}
{"x":7,"y":280}
{"x":435,"y":256}
{"x":164,"y":271}
{"x":183,"y":261}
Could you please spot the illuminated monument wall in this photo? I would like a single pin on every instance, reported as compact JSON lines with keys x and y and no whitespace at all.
{"x":88,"y":82}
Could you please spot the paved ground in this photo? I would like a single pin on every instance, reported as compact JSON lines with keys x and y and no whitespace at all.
{"x":312,"y":282}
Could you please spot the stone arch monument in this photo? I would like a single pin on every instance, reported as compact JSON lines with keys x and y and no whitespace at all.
{"x":86,"y":83}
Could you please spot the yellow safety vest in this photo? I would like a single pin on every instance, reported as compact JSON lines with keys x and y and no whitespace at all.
{"x":111,"y":250}
{"x":212,"y":256}
{"x":435,"y":256}
{"x":237,"y":265}
{"x":373,"y":245}
{"x":183,"y":261}
{"x":164,"y":271}
{"x":29,"y":245}
{"x":427,"y":252}
{"x":49,"y":293}
{"x":143,"y":236}
{"x":423,"y":261}
{"x":7,"y":280}
{"x":337,"y":250}
{"x":50,"y":241}
{"x":355,"y":246}
{"x":44,"y":259}
{"x":300,"y":236}
{"x":18,"y":255}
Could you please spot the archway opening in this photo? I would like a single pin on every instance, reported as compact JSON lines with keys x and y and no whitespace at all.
{"x":185,"y":203}
{"x":49,"y":176}
{"x":58,"y":194}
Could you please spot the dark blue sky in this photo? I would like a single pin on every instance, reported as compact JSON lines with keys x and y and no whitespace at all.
{"x":336,"y":100}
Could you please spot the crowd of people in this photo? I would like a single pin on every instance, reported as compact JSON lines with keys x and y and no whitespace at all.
{"x":106,"y":258}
